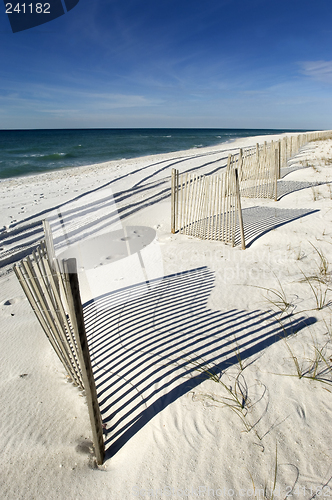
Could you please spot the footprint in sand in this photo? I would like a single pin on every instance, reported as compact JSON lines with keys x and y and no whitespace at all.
{"x":300,"y":411}
{"x":9,"y":302}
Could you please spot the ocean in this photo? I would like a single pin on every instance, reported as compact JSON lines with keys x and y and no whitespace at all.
{"x":26,"y":152}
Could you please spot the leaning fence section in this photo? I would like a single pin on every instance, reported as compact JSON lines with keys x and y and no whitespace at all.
{"x":207,"y":207}
{"x":55,"y":299}
{"x":46,"y":292}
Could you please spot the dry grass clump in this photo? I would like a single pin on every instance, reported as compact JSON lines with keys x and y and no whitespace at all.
{"x":315,"y":366}
{"x":320,"y":281}
{"x":316,"y":361}
{"x":330,"y":190}
{"x":315,"y":194}
{"x":233,"y":391}
{"x":268,"y":492}
{"x":300,"y":254}
{"x":277,"y":298}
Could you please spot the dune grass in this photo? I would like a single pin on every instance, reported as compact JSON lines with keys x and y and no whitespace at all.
{"x":277,"y":297}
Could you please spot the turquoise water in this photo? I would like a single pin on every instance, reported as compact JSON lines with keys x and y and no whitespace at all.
{"x":24,"y":152}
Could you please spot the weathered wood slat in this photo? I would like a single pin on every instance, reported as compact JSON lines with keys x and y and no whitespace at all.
{"x":173,"y":201}
{"x":50,"y":309}
{"x":35,"y":306}
{"x":84,"y":356}
{"x":64,"y":321}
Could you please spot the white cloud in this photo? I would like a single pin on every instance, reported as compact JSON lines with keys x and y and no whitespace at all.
{"x":319,"y":70}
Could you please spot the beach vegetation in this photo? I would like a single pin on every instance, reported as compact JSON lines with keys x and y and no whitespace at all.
{"x":328,"y":325}
{"x":319,"y":281}
{"x":319,"y":289}
{"x":276,"y":297}
{"x":234,"y":393}
{"x":314,"y":194}
{"x":202,"y":366}
{"x":238,"y":355}
{"x":315,"y":366}
{"x":299,"y":254}
{"x":323,"y":265}
{"x":269,"y":491}
{"x":330,"y":190}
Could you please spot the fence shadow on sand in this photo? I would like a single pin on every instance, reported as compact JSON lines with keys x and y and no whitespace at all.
{"x":144,"y":342}
{"x":258,"y":221}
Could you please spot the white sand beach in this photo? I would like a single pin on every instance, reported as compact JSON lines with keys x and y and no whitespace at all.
{"x":250,"y":426}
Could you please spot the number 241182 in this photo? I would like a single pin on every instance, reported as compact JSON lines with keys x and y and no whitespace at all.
{"x":38,"y":7}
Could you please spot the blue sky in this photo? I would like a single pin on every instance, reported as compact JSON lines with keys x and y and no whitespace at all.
{"x":171,"y":63}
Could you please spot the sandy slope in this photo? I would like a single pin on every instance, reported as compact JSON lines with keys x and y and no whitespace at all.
{"x":172,"y":433}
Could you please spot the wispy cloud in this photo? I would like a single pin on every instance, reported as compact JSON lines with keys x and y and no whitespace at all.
{"x":319,"y":70}
{"x":43,"y":96}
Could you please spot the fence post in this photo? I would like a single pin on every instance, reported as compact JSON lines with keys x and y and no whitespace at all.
{"x":75,"y":306}
{"x":276,"y":174}
{"x":173,"y":201}
{"x":237,"y":187}
{"x":49,"y":243}
{"x":240,"y":163}
{"x":228,"y":162}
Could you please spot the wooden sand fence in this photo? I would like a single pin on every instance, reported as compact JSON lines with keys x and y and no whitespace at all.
{"x":207,"y":207}
{"x":291,"y":145}
{"x":260,"y":167}
{"x":259,"y":170}
{"x":55,"y":298}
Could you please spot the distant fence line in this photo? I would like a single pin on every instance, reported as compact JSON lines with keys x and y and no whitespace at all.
{"x":259,"y":167}
{"x":209,"y":206}
{"x":55,"y":298}
{"x":290,"y":145}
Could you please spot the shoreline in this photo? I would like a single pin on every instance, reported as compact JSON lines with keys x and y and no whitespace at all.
{"x":180,"y":151}
{"x":228,"y":141}
{"x":23,"y":197}
{"x":93,"y":176}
